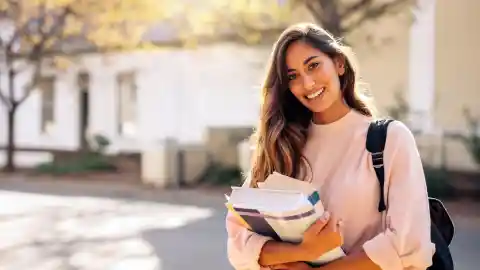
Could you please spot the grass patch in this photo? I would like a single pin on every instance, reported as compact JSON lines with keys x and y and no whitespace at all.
{"x":90,"y":162}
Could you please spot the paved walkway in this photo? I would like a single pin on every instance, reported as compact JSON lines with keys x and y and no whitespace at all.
{"x":50,"y":225}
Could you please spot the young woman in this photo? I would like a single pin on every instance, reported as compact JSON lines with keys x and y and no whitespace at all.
{"x":313,"y":127}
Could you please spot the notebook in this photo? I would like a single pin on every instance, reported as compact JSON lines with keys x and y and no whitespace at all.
{"x":281,"y":208}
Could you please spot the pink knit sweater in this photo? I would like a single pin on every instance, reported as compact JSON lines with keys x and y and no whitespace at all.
{"x":344,"y":176}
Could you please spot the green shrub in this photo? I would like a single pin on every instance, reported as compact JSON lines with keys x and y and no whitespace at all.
{"x":472,"y":141}
{"x":438,"y":183}
{"x":99,"y":144}
{"x":219,"y":174}
{"x":91,"y":162}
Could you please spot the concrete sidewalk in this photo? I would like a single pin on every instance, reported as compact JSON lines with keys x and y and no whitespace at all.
{"x":76,"y":225}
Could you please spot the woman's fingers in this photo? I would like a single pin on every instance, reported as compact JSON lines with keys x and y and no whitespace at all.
{"x":318,"y":226}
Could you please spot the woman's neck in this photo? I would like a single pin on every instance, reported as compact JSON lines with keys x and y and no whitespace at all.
{"x":335,"y":112}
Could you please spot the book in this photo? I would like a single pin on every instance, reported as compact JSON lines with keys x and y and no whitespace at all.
{"x":282,"y":208}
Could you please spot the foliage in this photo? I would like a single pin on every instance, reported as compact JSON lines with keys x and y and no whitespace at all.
{"x":472,"y":140}
{"x":438,"y":183}
{"x":92,"y":161}
{"x":41,"y":31}
{"x":342,"y":17}
{"x":86,"y":163}
{"x":219,"y":174}
{"x":339,"y":17}
{"x":242,"y":20}
{"x":400,"y":110}
{"x":99,"y":144}
{"x":39,"y":34}
{"x":89,"y":162}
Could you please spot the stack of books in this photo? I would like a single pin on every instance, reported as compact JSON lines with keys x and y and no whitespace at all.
{"x":281,"y":208}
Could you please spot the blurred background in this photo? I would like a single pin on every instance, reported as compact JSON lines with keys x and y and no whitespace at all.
{"x":124,"y":122}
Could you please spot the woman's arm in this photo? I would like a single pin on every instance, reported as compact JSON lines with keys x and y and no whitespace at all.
{"x":243,"y":245}
{"x":406,"y":242}
{"x":318,"y":239}
{"x":358,"y":261}
{"x":274,"y":252}
{"x":248,"y":250}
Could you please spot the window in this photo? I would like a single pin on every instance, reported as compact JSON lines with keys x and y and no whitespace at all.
{"x":127,"y":104}
{"x":47,"y":113}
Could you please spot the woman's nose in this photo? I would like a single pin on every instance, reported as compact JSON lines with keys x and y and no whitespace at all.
{"x":308,"y":82}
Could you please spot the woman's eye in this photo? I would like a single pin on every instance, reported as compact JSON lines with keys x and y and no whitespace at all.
{"x":291,"y":77}
{"x":313,"y":66}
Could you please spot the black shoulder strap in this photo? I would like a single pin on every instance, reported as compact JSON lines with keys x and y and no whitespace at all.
{"x":376,"y":139}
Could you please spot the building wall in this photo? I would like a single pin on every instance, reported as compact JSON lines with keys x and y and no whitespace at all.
{"x":181,"y":93}
{"x":457,"y":80}
{"x":384,"y":60}
{"x":28,"y":133}
{"x":457,"y":58}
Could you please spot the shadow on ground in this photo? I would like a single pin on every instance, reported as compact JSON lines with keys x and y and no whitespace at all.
{"x":69,"y":224}
{"x":198,"y":245}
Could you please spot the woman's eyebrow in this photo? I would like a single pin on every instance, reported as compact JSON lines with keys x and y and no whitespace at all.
{"x":304,"y":62}
{"x":309,"y":59}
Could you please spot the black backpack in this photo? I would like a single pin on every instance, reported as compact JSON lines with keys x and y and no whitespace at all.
{"x":442,"y":228}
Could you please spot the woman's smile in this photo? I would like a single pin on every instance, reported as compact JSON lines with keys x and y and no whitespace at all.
{"x":316,"y":94}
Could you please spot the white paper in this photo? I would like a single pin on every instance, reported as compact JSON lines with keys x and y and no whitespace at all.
{"x":282,"y":196}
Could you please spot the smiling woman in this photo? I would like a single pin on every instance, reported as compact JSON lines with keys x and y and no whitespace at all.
{"x":313,"y":127}
{"x":311,"y":78}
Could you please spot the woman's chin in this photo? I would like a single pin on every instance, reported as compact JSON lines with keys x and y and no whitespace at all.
{"x":318,"y":108}
{"x":323,"y":105}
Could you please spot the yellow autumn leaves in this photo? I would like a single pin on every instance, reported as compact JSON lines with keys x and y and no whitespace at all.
{"x":64,"y":25}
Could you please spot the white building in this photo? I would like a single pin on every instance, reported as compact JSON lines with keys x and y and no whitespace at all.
{"x":137,"y":99}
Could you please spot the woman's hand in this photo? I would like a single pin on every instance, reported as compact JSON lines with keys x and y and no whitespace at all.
{"x":292,"y":266}
{"x":320,"y":237}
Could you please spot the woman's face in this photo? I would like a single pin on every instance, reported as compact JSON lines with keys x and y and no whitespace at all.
{"x":313,"y":76}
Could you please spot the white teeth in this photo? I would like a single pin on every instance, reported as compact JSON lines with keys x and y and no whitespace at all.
{"x":316,"y":94}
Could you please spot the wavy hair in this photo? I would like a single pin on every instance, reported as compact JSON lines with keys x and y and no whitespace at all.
{"x":283,"y":126}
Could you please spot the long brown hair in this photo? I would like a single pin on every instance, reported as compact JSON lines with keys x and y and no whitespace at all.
{"x":283,"y":127}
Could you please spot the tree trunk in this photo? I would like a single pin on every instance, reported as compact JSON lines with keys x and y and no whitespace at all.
{"x":12,"y":109}
{"x":10,"y":164}
{"x":327,"y":14}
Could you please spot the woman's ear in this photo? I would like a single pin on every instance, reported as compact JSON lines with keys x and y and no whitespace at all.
{"x":340,"y":65}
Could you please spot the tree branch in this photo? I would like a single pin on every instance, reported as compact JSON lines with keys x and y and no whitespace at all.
{"x":32,"y":83}
{"x":355,"y":7}
{"x":56,"y":29}
{"x":372,"y":13}
{"x":4,"y":99}
{"x":36,"y":54}
{"x":326,"y":13}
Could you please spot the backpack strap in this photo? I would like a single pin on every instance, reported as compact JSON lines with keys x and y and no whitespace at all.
{"x":375,"y":144}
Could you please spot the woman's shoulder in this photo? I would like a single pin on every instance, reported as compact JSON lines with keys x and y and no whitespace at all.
{"x":399,"y":132}
{"x":399,"y":135}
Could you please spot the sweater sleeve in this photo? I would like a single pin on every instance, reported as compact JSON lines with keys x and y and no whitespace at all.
{"x":243,"y":245}
{"x":405,"y":243}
